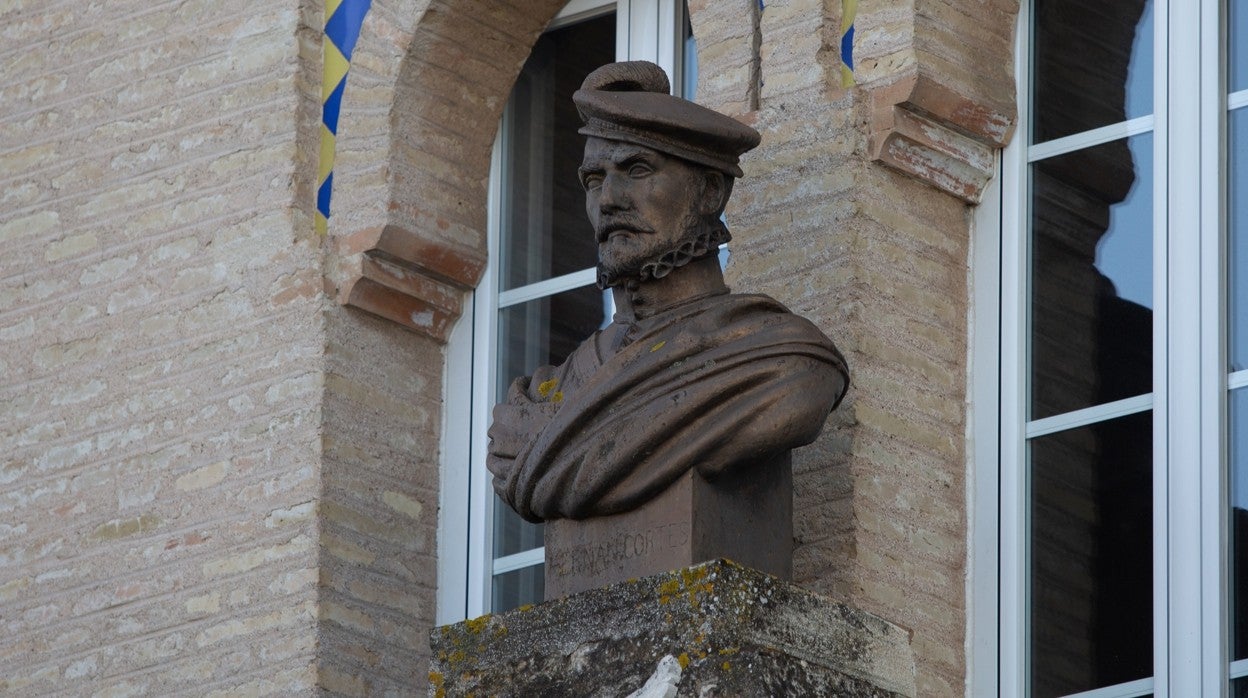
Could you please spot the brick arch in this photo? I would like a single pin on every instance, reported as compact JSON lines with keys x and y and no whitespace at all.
{"x":431,"y":78}
{"x":428,"y":85}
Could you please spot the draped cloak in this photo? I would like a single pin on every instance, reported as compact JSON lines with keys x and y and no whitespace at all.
{"x":715,"y":384}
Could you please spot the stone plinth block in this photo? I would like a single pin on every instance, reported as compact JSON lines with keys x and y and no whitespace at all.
{"x":746,"y":517}
{"x":715,"y":629}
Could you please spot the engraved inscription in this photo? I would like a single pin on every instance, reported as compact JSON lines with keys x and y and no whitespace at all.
{"x":610,"y":553}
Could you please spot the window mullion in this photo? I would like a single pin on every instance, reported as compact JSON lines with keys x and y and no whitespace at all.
{"x":1162,"y":565}
{"x":1015,"y":494}
{"x":485,"y":354}
{"x":1214,"y":475}
{"x":1182,"y":344}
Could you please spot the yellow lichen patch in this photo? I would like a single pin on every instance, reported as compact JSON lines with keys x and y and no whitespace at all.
{"x":670,"y":587}
{"x":476,"y":625}
{"x":684,"y":660}
{"x":525,"y":607}
{"x":500,"y":631}
{"x":658,"y":346}
{"x":546,"y":387}
{"x":557,"y":397}
{"x":729,"y":650}
{"x":725,"y":666}
{"x":692,"y":574}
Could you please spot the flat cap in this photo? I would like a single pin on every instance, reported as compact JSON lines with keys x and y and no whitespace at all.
{"x":630,"y":102}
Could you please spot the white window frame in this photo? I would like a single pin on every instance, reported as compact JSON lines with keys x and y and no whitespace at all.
{"x":1191,"y":382}
{"x":645,"y":29}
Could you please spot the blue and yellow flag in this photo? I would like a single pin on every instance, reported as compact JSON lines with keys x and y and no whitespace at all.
{"x":343,"y":19}
{"x":849,"y":9}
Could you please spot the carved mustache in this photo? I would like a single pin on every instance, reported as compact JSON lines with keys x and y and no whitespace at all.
{"x":616,"y":223}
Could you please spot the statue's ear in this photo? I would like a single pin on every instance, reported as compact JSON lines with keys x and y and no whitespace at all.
{"x":715,"y":190}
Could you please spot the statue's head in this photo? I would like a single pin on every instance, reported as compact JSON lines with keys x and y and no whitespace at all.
{"x":658,"y":172}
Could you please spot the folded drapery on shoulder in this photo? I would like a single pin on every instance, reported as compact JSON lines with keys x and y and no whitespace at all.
{"x":716,"y":384}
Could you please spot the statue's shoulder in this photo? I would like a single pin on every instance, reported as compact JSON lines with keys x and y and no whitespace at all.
{"x":766,"y":314}
{"x":737,"y":317}
{"x":759,"y":300}
{"x":754,"y":305}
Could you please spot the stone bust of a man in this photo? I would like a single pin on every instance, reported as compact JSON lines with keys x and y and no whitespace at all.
{"x":687,"y":375}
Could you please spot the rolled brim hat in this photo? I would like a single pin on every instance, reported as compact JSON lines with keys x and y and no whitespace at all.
{"x":629,"y":102}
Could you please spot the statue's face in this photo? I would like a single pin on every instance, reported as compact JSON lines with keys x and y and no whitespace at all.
{"x":641,"y":202}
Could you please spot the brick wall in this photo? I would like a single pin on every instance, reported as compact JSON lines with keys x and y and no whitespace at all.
{"x":161,"y":347}
{"x":380,"y":505}
{"x":216,"y":478}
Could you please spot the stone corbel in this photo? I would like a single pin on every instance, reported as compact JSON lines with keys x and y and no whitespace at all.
{"x":408,"y":279}
{"x":932,"y":133}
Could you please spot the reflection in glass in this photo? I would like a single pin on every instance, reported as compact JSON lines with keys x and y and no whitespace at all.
{"x":1091,"y":276}
{"x":544,"y":229}
{"x":1092,"y":65}
{"x":1237,"y":44}
{"x":1239,"y":688}
{"x":513,"y":534}
{"x":1091,"y":556}
{"x":518,"y":587}
{"x":1237,"y":273}
{"x":1237,"y":419}
{"x":544,"y":331}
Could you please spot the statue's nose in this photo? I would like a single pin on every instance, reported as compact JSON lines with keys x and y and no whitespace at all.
{"x":612,"y":196}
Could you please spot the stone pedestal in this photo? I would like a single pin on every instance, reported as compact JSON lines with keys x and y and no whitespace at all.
{"x":747,"y":518}
{"x":715,"y":629}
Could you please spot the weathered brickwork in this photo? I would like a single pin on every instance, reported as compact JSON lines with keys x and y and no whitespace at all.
{"x":219,"y":476}
{"x":161,"y":347}
{"x":379,"y":512}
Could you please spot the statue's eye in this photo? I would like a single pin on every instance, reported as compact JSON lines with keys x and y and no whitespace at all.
{"x":591,"y":181}
{"x":639,"y":169}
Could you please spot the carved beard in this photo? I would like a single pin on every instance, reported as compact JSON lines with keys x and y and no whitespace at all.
{"x":698,"y":239}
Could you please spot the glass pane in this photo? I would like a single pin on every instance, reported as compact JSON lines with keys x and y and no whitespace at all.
{"x":544,"y":229}
{"x":1237,"y":296}
{"x":518,"y":587}
{"x":544,"y":331}
{"x":1093,"y":65}
{"x":1092,"y":276}
{"x":1239,"y":688}
{"x":1091,"y":556}
{"x":513,"y":534}
{"x":1238,"y":419}
{"x":1236,"y":47}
